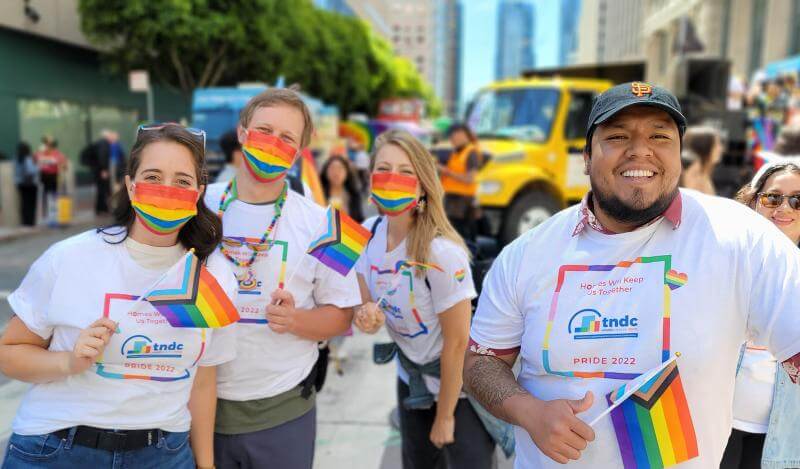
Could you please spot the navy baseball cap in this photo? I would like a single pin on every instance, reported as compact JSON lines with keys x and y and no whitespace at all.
{"x":636,"y":93}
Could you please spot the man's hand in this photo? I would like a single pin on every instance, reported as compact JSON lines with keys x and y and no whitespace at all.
{"x":554,"y":426}
{"x":369,"y":318}
{"x":281,"y":312}
{"x":90,"y":345}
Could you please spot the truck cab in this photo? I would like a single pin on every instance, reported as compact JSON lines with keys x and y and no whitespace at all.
{"x":533,"y":131}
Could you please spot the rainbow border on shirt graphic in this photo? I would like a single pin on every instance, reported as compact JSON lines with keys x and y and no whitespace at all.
{"x":672,"y":281}
{"x":100,"y":367}
{"x":395,"y":312}
{"x":248,"y":284}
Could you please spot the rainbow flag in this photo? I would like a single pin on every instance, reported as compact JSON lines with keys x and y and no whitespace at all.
{"x":268,"y":157}
{"x":310,"y":176}
{"x":195,"y":299}
{"x":342,"y":244}
{"x":359,"y":132}
{"x":652,"y":421}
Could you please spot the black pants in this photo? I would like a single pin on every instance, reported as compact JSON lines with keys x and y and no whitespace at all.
{"x":27,"y":195}
{"x":743,"y":451}
{"x":473,"y":447}
{"x":50,"y":183}
{"x":103,"y":193}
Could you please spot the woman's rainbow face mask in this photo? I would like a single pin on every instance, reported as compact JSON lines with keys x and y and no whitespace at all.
{"x":163,"y":209}
{"x":394,"y":193}
{"x":267,"y":157}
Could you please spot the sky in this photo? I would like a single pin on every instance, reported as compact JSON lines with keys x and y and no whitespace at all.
{"x":479,"y":40}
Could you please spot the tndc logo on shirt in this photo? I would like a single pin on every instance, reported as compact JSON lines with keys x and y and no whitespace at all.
{"x":590,"y":324}
{"x":140,"y":346}
{"x":248,"y":285}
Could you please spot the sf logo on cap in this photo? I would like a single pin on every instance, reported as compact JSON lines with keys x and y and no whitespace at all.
{"x":640,"y":89}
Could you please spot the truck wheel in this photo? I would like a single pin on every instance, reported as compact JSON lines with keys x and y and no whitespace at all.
{"x":526,"y":212}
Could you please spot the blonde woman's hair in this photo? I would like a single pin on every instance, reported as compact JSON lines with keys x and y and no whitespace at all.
{"x":430,"y":222}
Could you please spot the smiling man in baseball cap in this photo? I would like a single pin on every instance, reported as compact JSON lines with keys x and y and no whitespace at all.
{"x":609,"y":290}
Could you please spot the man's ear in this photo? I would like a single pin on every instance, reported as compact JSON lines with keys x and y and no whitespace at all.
{"x":587,"y":161}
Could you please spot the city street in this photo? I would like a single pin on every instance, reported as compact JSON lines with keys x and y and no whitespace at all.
{"x":353,"y":427}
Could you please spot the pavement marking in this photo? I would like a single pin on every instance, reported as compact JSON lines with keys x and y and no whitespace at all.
{"x":4,"y":294}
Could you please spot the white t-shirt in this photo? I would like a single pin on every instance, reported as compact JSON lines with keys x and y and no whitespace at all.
{"x":269,"y":363}
{"x":148,"y":367}
{"x":724,"y":275}
{"x":411,"y":308}
{"x":755,"y":385}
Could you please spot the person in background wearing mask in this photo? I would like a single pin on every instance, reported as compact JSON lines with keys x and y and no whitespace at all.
{"x":458,"y":180}
{"x":706,"y":145}
{"x":232,"y":150}
{"x":51,"y":163}
{"x":288,"y":302}
{"x":26,"y":177}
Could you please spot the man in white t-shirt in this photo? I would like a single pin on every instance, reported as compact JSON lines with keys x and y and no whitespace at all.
{"x":605,"y":291}
{"x":287,"y":300}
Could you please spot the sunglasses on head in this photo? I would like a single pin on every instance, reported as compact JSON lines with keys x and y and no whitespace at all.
{"x":774,"y":200}
{"x":196,"y":132}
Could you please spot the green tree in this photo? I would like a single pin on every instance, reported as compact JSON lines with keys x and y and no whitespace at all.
{"x":186,"y":44}
{"x":190,"y":44}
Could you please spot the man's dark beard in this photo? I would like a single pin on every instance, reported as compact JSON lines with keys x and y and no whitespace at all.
{"x":627,"y":215}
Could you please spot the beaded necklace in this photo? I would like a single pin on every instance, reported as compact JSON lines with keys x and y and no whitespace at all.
{"x":228,"y":196}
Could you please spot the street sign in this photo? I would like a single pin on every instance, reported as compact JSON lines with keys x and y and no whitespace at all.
{"x":139,"y":80}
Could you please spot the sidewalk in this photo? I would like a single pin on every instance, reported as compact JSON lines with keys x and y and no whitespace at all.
{"x":82,"y":214}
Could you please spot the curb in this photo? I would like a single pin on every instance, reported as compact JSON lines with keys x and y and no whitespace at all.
{"x":21,"y":232}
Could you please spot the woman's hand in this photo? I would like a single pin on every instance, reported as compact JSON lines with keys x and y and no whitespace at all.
{"x":443,"y":430}
{"x":369,"y":318}
{"x":90,"y":345}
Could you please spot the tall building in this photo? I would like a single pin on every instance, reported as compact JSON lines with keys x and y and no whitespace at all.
{"x":447,"y":54}
{"x":569,"y":16}
{"x":749,"y":33}
{"x":609,"y":31}
{"x":427,"y":32}
{"x":515,"y":37}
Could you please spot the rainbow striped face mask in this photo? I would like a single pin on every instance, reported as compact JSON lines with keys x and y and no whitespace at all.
{"x":267,"y":157}
{"x":163,"y":209}
{"x":394,"y":193}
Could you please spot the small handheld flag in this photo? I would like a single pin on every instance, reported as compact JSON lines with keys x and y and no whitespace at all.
{"x":651,"y":420}
{"x":197,"y":300}
{"x":342,"y":244}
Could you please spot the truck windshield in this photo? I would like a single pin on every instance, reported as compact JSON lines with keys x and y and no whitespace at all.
{"x":518,"y":114}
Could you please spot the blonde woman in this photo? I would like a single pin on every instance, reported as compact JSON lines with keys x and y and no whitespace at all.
{"x":415,"y":278}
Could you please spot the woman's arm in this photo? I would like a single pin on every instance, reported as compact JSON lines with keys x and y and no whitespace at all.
{"x":203,"y":407}
{"x":455,"y":335}
{"x":24,"y":355}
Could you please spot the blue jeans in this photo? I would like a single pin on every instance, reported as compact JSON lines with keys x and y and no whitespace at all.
{"x":51,"y":452}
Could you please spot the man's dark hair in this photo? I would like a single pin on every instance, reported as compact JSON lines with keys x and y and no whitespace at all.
{"x":461,"y":127}
{"x":229,"y":142}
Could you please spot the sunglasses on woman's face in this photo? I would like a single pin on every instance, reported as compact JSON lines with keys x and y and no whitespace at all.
{"x":196,"y":132}
{"x":774,"y":200}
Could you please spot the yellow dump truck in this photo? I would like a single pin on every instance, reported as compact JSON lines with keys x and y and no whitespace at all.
{"x":533,"y":131}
